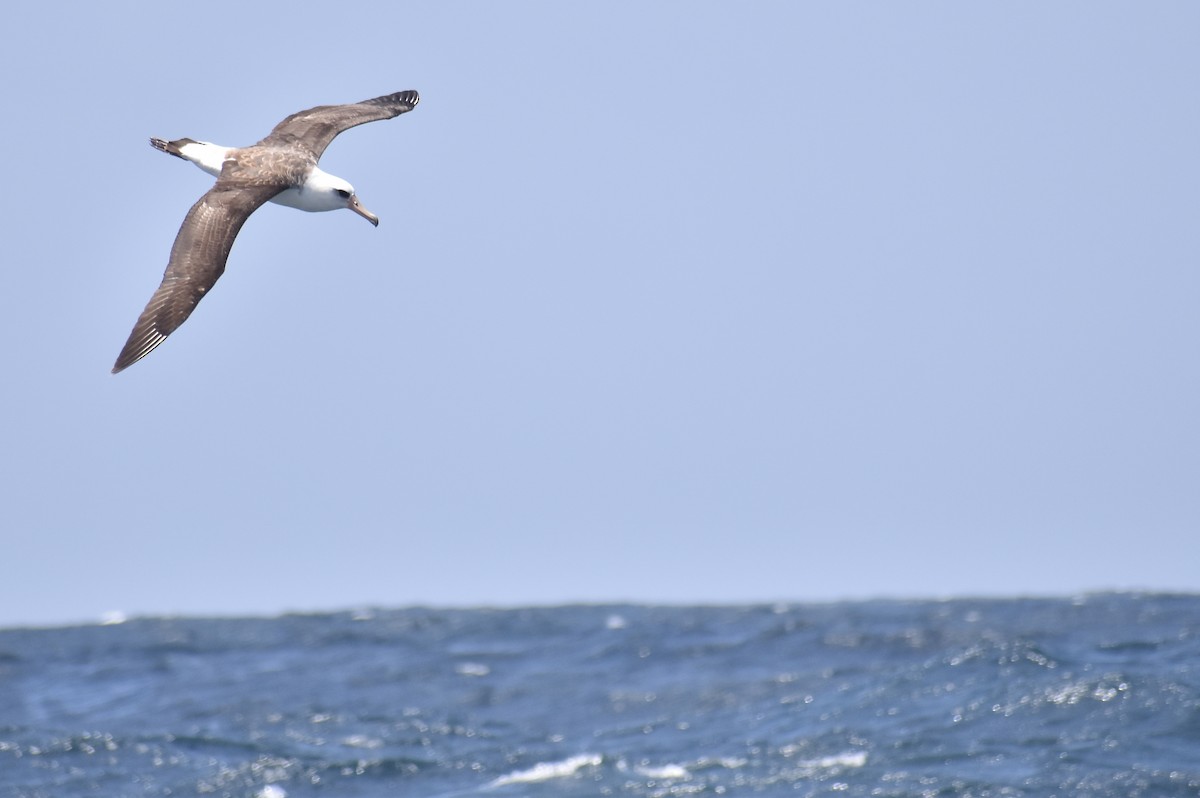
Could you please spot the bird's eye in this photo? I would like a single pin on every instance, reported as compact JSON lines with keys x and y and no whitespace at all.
{"x":343,"y":193}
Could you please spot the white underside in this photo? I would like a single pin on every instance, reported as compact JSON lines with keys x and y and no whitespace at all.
{"x":308,"y":200}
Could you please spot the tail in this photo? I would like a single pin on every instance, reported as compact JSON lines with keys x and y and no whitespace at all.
{"x":171,"y":147}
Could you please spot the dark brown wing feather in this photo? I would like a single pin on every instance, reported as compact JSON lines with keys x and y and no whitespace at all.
{"x":197,"y":260}
{"x":315,"y":128}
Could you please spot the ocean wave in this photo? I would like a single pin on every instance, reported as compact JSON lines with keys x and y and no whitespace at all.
{"x":547,"y":771}
{"x":931,"y":698}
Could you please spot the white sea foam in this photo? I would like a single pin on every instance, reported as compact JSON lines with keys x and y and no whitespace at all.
{"x":472,"y":669}
{"x":846,"y":759}
{"x":545,"y":771}
{"x":361,"y":741}
{"x":614,"y":622}
{"x":664,"y":772}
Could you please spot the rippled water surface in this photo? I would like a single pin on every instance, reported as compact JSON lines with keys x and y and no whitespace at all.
{"x":1095,"y":696}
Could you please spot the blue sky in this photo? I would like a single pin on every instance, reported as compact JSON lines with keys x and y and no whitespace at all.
{"x":673,"y":302}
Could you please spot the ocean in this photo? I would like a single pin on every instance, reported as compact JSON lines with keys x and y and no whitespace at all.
{"x":1091,"y":696}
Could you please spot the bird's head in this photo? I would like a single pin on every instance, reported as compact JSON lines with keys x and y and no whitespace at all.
{"x":345,"y":193}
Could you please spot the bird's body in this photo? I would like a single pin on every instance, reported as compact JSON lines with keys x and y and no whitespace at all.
{"x":317,"y":193}
{"x":282,"y":168}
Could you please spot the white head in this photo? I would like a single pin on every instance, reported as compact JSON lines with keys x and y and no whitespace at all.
{"x":345,"y":193}
{"x":325,"y":192}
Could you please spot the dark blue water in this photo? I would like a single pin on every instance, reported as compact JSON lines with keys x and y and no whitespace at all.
{"x":1098,"y":696}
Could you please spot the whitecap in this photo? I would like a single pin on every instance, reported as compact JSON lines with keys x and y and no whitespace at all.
{"x":472,"y":669}
{"x":846,"y":759}
{"x":545,"y":771}
{"x":361,"y":741}
{"x":664,"y":772}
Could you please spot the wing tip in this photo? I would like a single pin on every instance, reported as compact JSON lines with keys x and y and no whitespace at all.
{"x":140,"y":344}
{"x":407,"y":99}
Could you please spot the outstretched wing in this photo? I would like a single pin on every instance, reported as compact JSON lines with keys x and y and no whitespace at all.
{"x":315,"y":128}
{"x":197,"y":260}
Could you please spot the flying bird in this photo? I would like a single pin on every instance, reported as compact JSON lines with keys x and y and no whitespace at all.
{"x":281,"y":168}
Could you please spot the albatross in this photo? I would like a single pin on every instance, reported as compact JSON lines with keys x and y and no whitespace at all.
{"x":281,"y":168}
